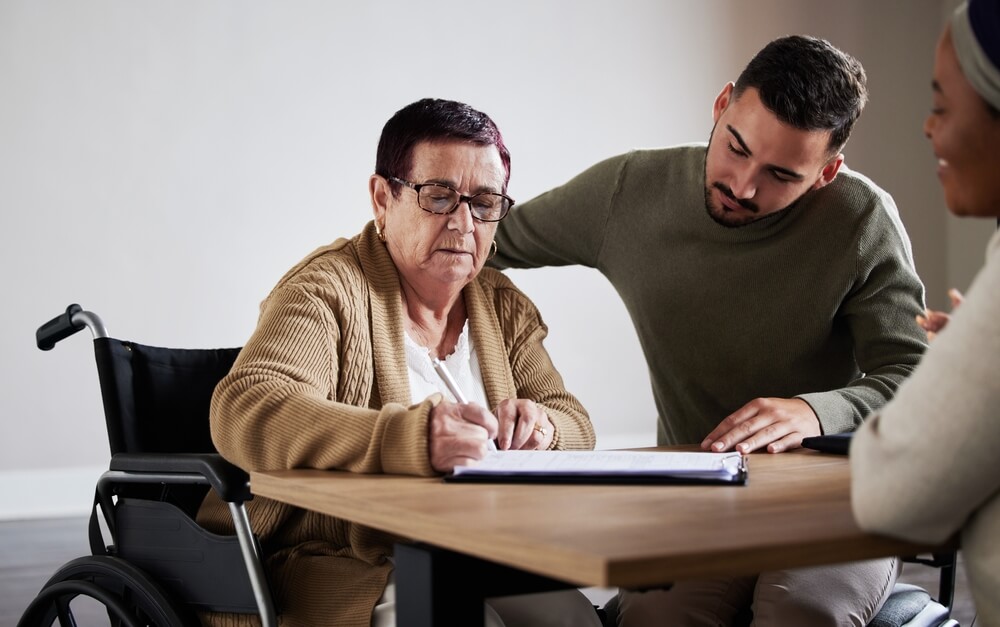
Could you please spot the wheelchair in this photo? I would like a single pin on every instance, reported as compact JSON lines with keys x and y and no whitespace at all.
{"x":160,"y":567}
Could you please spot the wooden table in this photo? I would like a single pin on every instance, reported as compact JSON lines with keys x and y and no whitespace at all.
{"x":794,"y":511}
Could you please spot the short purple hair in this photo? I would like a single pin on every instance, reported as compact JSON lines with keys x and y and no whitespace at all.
{"x":433,"y":119}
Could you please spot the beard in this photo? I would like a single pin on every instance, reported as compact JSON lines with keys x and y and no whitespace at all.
{"x":730,"y":219}
{"x":725,"y":216}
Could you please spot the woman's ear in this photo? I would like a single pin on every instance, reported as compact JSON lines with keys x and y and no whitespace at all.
{"x":379,"y":191}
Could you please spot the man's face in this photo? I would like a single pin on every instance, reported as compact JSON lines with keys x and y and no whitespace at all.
{"x":758,"y":165}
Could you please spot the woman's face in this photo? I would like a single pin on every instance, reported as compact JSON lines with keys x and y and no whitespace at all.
{"x":965,"y":137}
{"x":439,"y":252}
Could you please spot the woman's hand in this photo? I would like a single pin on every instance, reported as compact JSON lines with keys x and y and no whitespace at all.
{"x":523,"y":425}
{"x":935,"y":321}
{"x":458,"y":434}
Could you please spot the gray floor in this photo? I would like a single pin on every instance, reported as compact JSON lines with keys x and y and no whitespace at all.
{"x":31,"y":551}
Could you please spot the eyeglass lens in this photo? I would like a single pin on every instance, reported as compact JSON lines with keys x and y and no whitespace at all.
{"x":441,"y":199}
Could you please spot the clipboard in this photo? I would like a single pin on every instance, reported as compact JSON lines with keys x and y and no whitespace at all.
{"x":606,"y":467}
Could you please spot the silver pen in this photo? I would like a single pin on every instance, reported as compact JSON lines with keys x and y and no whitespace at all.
{"x":454,"y":389}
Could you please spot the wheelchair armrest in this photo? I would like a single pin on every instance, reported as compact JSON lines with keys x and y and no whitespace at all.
{"x":231,"y":482}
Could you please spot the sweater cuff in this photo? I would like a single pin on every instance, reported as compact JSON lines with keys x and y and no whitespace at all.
{"x":404,"y":447}
{"x":835,"y":413}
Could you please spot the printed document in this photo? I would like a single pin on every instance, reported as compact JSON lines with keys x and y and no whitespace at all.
{"x":692,"y":466}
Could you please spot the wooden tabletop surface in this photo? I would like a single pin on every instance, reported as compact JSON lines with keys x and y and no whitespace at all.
{"x":794,"y":511}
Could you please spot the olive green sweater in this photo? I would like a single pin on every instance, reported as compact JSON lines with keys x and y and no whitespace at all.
{"x":323,"y":383}
{"x":817,"y":302}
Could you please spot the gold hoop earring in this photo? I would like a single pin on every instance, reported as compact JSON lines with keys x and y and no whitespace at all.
{"x":494,"y":250}
{"x":379,"y":233}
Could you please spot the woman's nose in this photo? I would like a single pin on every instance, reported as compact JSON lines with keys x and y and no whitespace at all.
{"x":461,"y":218}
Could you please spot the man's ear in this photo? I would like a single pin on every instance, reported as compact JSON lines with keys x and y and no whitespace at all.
{"x":722,"y":101}
{"x":829,"y":171}
{"x":379,"y":190}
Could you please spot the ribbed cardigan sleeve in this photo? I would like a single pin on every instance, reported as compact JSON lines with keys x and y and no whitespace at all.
{"x":301,"y":393}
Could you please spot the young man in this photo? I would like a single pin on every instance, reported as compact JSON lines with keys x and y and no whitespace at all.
{"x":772,"y":289}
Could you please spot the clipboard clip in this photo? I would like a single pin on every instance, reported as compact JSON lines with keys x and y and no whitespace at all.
{"x":740,"y":460}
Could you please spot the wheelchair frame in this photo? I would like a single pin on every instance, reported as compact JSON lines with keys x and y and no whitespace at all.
{"x":131,"y":593}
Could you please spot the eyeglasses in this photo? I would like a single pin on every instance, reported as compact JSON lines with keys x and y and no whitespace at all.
{"x":441,"y":199}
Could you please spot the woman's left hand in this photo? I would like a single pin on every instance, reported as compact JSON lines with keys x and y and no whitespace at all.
{"x":935,"y":321}
{"x":523,"y":425}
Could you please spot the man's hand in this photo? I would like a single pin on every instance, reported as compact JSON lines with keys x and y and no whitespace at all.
{"x":777,"y":423}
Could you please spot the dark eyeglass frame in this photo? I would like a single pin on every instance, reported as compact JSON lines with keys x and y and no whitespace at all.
{"x":461,"y":198}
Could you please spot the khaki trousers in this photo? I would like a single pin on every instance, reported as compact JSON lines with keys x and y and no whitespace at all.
{"x":824,"y":596}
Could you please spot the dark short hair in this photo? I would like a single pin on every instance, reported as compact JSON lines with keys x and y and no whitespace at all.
{"x":433,"y":119}
{"x":809,"y":84}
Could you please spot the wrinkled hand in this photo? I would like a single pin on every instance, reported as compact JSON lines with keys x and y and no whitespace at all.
{"x":934,"y":321}
{"x":777,"y":423}
{"x":523,"y":425}
{"x":458,"y":434}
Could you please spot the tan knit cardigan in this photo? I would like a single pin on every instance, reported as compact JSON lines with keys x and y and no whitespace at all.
{"x":323,"y":383}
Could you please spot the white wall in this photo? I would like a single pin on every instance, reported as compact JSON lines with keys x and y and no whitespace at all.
{"x":163,"y":163}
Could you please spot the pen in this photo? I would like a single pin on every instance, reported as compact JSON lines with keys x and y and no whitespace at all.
{"x":454,"y":389}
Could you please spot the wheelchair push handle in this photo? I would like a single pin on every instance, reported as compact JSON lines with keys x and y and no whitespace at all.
{"x":66,"y":324}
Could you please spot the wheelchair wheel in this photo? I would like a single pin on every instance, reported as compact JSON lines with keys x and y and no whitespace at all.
{"x":130,"y":597}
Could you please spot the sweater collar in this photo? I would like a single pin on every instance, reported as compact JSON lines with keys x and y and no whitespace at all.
{"x":386,"y":317}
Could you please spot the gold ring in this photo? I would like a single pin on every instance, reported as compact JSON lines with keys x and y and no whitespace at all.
{"x":541,"y":430}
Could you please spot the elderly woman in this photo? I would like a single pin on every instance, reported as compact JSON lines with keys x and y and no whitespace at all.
{"x":339,"y":375}
{"x":926,"y":466}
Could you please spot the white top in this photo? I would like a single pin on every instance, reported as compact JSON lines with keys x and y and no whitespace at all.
{"x":463,"y":364}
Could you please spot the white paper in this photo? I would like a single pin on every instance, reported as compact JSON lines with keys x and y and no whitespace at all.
{"x":641,"y":463}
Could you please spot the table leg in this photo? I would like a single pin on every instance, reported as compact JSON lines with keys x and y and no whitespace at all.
{"x":440,"y":588}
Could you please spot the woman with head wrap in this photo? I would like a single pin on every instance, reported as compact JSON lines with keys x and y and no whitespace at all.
{"x":926,"y":466}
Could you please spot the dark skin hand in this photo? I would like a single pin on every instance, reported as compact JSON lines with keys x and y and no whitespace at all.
{"x":934,"y":321}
